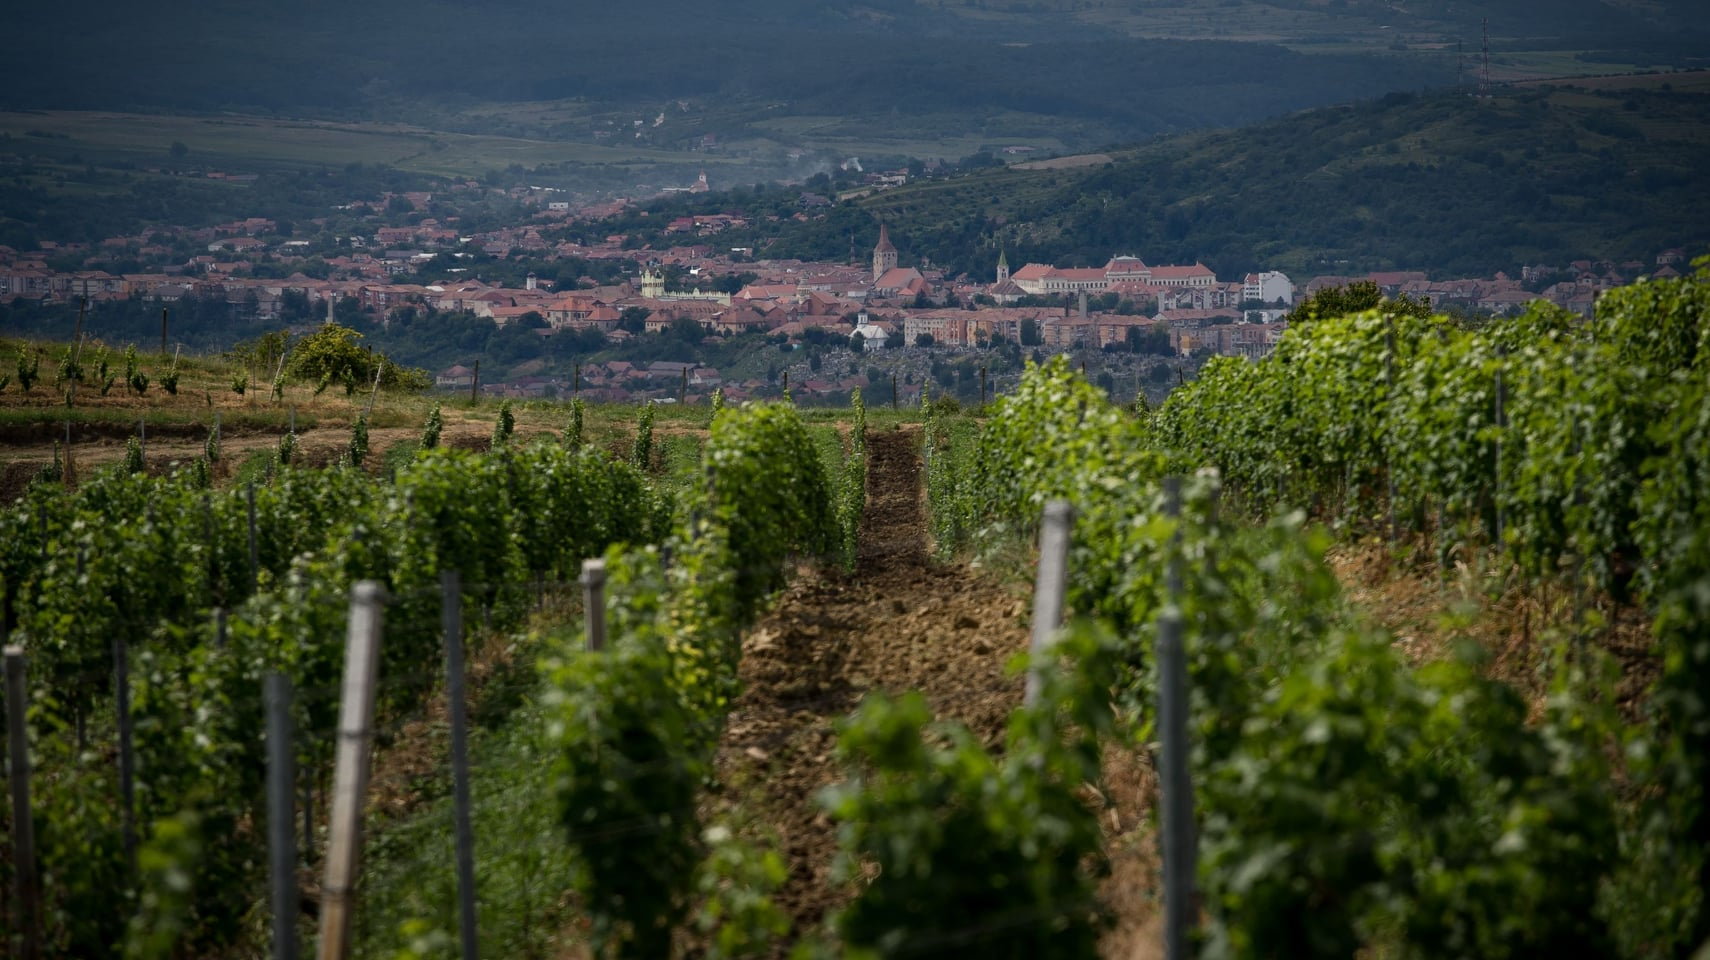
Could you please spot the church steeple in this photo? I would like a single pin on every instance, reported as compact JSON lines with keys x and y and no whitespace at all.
{"x":884,"y":254}
{"x":1003,"y":266}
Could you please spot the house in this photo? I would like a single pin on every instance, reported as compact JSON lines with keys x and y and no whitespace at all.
{"x":458,"y":377}
{"x":1390,"y":281}
{"x":579,"y":311}
{"x":1502,"y":301}
{"x":769,"y":291}
{"x":740,"y":320}
{"x":503,"y":316}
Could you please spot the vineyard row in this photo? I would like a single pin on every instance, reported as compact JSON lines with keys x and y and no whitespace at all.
{"x":1347,"y":799}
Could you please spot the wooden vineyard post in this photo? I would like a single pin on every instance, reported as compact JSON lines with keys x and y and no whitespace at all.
{"x":350,"y":772}
{"x":893,"y":391}
{"x":475,"y":382}
{"x":278,"y":369}
{"x":379,"y":368}
{"x":27,"y":917}
{"x":163,"y":331}
{"x":281,"y":842}
{"x":76,"y":351}
{"x":451,"y":619}
{"x":1048,"y":591}
{"x":1177,"y":835}
{"x":594,"y":602}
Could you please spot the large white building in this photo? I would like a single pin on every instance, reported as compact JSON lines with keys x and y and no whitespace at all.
{"x":1042,"y":278}
{"x":1268,"y":287}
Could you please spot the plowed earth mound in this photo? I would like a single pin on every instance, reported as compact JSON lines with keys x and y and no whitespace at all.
{"x":897,"y":623}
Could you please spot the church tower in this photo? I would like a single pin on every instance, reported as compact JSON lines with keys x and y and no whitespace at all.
{"x":884,"y":255}
{"x":1003,"y":267}
{"x":652,"y":283}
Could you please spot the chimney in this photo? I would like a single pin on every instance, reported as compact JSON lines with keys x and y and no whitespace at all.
{"x":1083,"y":304}
{"x":531,"y":282}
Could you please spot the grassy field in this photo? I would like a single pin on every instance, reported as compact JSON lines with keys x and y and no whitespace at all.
{"x":34,"y":424}
{"x":945,"y":137}
{"x":243,"y":142}
{"x":1685,"y":81}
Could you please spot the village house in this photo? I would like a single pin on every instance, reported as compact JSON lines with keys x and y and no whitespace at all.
{"x":458,"y":377}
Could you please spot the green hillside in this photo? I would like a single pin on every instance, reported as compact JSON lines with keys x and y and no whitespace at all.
{"x":878,"y":76}
{"x":1445,"y":182}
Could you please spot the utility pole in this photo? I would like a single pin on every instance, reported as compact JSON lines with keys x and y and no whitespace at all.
{"x":1484,"y":69}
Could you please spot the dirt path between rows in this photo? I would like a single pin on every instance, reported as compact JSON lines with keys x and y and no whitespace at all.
{"x":899,"y":622}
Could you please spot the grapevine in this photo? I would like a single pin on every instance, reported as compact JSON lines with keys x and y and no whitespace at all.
{"x":1348,"y":799}
{"x":146,"y":557}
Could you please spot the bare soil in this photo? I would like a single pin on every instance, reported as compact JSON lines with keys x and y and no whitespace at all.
{"x":899,"y":622}
{"x":1519,"y":623}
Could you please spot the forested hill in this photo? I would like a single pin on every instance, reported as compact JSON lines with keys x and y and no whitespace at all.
{"x":784,"y":88}
{"x":740,"y":70}
{"x":1447,"y":182}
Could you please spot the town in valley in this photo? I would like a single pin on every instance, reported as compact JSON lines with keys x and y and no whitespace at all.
{"x":869,"y":316}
